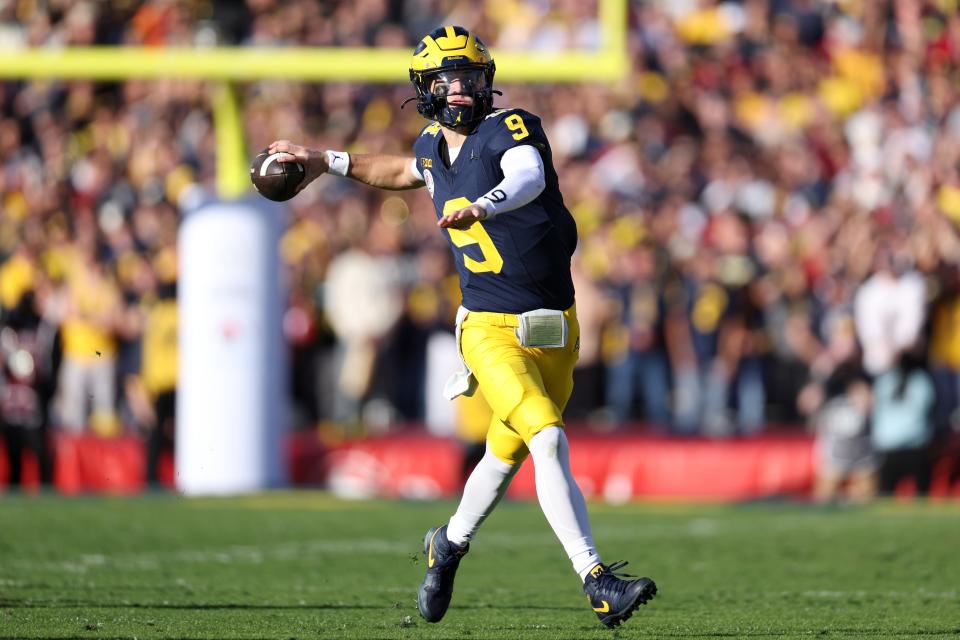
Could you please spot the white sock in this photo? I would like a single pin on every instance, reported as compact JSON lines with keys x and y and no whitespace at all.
{"x":561,"y":500}
{"x":483,"y":490}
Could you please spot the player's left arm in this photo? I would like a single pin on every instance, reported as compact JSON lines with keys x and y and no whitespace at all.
{"x":523,"y":181}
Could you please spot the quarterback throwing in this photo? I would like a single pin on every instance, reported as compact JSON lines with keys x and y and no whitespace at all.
{"x":490,"y":175}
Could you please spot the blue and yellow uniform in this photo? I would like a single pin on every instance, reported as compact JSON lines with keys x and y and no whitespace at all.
{"x":516,"y":262}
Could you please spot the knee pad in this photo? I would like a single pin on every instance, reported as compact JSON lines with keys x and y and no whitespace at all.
{"x":548,"y":439}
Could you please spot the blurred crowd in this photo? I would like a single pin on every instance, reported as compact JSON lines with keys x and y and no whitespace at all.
{"x":767,"y":207}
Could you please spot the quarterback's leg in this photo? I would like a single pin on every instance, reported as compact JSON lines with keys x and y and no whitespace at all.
{"x":561,"y":500}
{"x":445,"y":545}
{"x":612,"y":598}
{"x":541,"y":425}
{"x":488,"y":482}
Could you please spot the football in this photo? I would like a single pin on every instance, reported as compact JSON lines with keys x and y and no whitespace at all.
{"x":274,"y":179}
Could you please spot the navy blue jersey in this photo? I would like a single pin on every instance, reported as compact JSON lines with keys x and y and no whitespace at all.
{"x":519,"y":260}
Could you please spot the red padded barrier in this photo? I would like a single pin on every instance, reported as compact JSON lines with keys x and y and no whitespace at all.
{"x":612,"y":467}
{"x":90,"y":464}
{"x":412,"y":464}
{"x":618,"y":468}
{"x":87,"y":463}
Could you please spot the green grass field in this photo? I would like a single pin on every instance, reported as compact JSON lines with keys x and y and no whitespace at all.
{"x":305,"y":565}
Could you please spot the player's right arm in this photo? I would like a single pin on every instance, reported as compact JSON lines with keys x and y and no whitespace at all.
{"x":376,"y":170}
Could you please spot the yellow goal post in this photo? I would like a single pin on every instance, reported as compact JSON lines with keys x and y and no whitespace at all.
{"x":229,"y":65}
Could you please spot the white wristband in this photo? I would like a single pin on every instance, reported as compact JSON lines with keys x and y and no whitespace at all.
{"x":338,"y":163}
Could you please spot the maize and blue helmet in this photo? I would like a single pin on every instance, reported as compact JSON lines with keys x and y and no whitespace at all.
{"x":446,"y":53}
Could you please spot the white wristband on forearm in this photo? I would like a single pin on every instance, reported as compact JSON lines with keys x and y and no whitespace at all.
{"x":338,"y":163}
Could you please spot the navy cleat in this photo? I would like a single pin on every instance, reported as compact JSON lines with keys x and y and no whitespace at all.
{"x":443,"y":558}
{"x":614,"y":599}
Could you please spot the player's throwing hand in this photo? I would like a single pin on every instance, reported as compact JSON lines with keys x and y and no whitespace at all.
{"x":314,"y":162}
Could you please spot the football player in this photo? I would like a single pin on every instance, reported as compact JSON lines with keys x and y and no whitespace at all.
{"x":491,"y":177}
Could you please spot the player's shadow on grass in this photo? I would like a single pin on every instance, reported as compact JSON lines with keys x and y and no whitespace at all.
{"x":186,"y":606}
{"x":524,"y":607}
{"x":200,"y":606}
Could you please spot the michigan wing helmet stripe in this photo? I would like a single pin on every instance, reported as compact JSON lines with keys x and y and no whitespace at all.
{"x":448,"y":47}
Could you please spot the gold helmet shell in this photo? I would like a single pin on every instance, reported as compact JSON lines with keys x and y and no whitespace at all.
{"x":449,"y":47}
{"x":452,"y":48}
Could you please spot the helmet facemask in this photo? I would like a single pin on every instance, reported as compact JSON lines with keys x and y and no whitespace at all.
{"x":434,"y":88}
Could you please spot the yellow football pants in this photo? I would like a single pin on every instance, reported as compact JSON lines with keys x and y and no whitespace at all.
{"x":527,"y":389}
